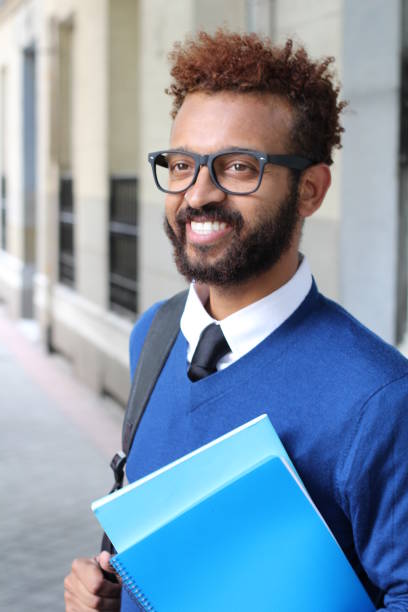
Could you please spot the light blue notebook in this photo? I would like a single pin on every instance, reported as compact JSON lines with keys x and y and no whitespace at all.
{"x":231,"y":538}
{"x":143,"y":506}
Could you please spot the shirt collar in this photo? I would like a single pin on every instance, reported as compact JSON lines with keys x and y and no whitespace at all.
{"x":247,"y":327}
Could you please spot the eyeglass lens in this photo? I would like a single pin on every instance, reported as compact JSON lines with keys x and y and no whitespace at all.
{"x":236,"y":172}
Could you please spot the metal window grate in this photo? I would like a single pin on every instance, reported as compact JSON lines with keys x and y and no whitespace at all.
{"x":66,"y":232}
{"x":3,"y":213}
{"x":123,"y":232}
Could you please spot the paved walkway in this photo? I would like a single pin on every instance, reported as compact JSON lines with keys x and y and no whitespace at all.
{"x":56,"y":441}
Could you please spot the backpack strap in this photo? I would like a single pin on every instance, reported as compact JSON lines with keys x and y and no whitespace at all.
{"x":159,"y":340}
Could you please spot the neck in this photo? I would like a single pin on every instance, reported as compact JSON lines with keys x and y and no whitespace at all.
{"x":224,"y":301}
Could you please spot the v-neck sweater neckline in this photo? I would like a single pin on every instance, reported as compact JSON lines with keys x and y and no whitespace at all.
{"x":241,"y":371}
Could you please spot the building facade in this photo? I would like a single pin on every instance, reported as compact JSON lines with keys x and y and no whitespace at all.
{"x":82,"y":101}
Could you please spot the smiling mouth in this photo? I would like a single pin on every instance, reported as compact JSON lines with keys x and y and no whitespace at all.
{"x":206,"y":228}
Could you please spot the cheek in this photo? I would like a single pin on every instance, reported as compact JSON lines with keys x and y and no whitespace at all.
{"x":172,"y":204}
{"x":253,"y":208}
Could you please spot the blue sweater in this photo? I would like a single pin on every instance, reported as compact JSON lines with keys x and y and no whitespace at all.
{"x":337,"y":396}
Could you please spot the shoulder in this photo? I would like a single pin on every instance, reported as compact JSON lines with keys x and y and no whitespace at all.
{"x":138,"y":334}
{"x":169,"y":320}
{"x":370,"y":372}
{"x":353,"y":349}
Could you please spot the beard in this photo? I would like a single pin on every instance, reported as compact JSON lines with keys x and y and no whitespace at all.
{"x":247,"y":255}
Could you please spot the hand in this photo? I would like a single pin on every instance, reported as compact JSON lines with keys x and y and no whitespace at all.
{"x":86,"y":588}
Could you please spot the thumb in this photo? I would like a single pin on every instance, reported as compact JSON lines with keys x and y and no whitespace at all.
{"x":109,"y":573}
{"x":103,"y":560}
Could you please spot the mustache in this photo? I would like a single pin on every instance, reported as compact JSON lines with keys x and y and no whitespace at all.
{"x":210,"y":212}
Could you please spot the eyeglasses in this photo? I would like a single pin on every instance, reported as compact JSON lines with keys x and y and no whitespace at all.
{"x":234,"y":171}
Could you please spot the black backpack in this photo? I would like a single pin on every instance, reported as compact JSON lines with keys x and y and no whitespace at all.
{"x":159,"y":340}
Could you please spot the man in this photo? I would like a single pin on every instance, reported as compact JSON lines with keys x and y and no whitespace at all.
{"x":251,"y":145}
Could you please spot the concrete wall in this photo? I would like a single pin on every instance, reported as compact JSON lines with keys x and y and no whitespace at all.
{"x":3,"y":140}
{"x":161,"y":23}
{"x":48,"y":166}
{"x":318,"y":25}
{"x":124,"y":111}
{"x":82,"y":327}
{"x":87,"y":124}
{"x":18,"y":31}
{"x":369,"y":221}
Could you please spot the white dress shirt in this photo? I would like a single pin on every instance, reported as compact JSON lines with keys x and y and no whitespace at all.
{"x":247,"y":327}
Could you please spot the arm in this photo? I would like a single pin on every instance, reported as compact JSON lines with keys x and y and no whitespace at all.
{"x":374,"y":490}
{"x":86,"y":588}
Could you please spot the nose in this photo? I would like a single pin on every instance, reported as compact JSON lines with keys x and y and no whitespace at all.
{"x":204,"y":191}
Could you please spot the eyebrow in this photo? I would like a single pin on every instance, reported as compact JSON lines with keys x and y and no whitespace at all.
{"x":181,"y":149}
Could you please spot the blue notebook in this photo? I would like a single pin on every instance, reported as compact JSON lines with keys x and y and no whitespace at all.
{"x":228,"y":527}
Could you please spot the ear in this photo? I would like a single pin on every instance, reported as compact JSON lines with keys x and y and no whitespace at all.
{"x":313,"y":187}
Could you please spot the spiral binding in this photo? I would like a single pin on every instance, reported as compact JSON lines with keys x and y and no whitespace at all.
{"x":134,"y":591}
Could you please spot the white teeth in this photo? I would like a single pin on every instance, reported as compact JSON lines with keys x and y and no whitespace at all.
{"x":207,"y":227}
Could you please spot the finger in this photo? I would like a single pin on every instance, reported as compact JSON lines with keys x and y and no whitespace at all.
{"x":87,"y":583}
{"x":103,"y":559}
{"x":77,"y":600}
{"x":90,"y":575}
{"x":73,"y":604}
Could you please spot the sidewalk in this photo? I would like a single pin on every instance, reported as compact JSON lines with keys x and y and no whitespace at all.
{"x":57,"y":438}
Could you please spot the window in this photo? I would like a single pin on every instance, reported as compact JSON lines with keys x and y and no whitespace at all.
{"x":123,"y":231}
{"x":66,"y":231}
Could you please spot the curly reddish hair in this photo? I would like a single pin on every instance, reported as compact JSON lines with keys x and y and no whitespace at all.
{"x":242,"y":63}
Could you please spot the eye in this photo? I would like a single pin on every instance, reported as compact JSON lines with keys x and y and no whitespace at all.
{"x":239,"y":166}
{"x":179,"y":166}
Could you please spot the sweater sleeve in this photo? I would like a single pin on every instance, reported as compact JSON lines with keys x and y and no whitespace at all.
{"x":375,"y":492}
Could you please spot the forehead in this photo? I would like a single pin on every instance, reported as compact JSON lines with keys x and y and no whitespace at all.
{"x":210,"y":122}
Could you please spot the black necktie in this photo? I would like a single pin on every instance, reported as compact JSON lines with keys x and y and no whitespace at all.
{"x":211,"y":346}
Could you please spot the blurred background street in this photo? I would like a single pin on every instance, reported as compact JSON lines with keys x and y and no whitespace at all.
{"x":57,"y":440}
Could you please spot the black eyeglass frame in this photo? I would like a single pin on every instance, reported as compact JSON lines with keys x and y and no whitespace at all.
{"x":294,"y":162}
